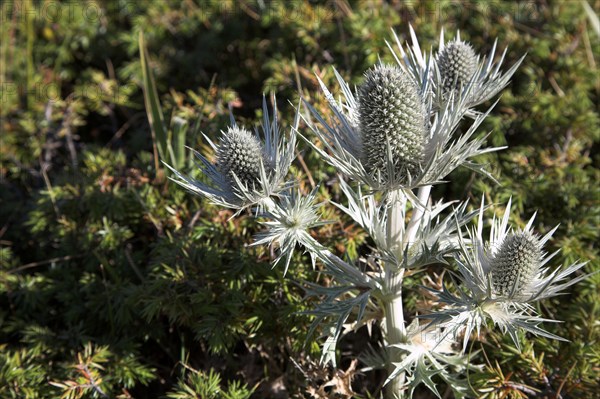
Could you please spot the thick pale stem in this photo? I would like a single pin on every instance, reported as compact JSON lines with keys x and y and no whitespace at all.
{"x":395,"y":333}
{"x":394,"y":314}
{"x":393,"y":275}
{"x":393,"y":308}
{"x":398,"y":241}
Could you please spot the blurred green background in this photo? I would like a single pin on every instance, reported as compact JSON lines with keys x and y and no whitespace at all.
{"x":116,"y":283}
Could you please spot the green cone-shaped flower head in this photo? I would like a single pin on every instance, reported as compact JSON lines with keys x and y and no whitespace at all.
{"x":457,"y":63}
{"x":390,"y":110}
{"x":516,"y":264}
{"x":240,"y":153}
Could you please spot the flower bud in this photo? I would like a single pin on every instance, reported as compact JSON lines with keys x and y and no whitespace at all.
{"x":391,"y":111}
{"x":516,"y":264}
{"x":457,"y":63}
{"x":239,"y":153}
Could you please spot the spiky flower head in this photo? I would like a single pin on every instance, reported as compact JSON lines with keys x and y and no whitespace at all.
{"x":500,"y":281}
{"x":239,"y":154}
{"x":392,"y":123}
{"x":457,"y":63}
{"x":250,"y":168}
{"x":374,"y":162}
{"x":516,"y":264}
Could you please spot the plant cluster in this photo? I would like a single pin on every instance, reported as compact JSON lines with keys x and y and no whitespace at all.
{"x":396,"y":135}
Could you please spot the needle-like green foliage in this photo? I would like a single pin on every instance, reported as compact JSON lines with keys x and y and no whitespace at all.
{"x":117,"y":283}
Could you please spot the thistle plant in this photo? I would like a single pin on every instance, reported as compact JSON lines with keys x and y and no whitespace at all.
{"x":390,"y":140}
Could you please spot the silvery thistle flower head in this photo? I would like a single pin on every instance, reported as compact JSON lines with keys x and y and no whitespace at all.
{"x":239,"y":158}
{"x":515,"y":264}
{"x":250,"y":167}
{"x":442,"y":153}
{"x":500,"y":280}
{"x":392,"y":125}
{"x":459,"y":73}
{"x":457,"y":64}
{"x":378,"y":135}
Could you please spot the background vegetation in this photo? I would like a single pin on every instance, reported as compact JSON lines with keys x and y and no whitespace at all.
{"x":116,"y":283}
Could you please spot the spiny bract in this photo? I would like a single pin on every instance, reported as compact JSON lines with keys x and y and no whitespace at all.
{"x":391,"y":110}
{"x":516,"y":264}
{"x":240,"y":153}
{"x":457,"y":63}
